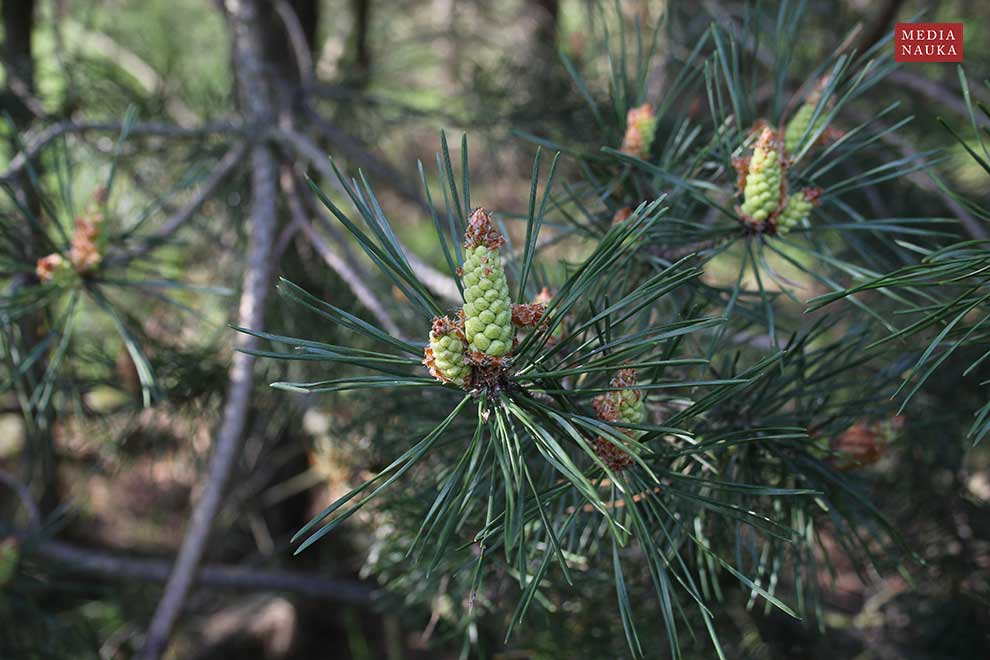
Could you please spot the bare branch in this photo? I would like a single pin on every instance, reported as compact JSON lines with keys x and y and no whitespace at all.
{"x":224,"y":167}
{"x":131,"y":63}
{"x":937,"y":92}
{"x":924,"y":180}
{"x":254,"y":93}
{"x":353,"y":279}
{"x":306,"y":149}
{"x":297,"y":37}
{"x":117,"y":567}
{"x":34,"y":145}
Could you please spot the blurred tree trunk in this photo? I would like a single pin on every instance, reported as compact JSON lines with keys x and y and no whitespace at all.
{"x":547,"y":16}
{"x":362,"y":52}
{"x":255,"y":32}
{"x":308,"y":12}
{"x":18,"y":24}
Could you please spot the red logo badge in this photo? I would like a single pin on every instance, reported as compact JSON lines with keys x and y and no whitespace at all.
{"x":928,"y":42}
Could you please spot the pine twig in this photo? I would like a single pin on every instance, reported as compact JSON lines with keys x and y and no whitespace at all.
{"x":247,"y":45}
{"x":117,"y":567}
{"x":223,"y":169}
{"x":306,"y":149}
{"x":154,"y":129}
{"x":105,"y":564}
{"x":354,"y":280}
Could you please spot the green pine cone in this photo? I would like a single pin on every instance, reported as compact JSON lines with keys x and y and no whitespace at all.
{"x":796,"y":209}
{"x":631,"y":409}
{"x":622,"y":404}
{"x":487,"y":305}
{"x":446,"y":355}
{"x":761,"y":196}
{"x":799,"y":124}
{"x":647,"y":126}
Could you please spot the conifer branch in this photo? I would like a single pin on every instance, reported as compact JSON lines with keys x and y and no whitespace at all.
{"x":116,"y":567}
{"x":306,"y":149}
{"x":347,"y":272}
{"x":221,"y":171}
{"x":149,"y":129}
{"x":243,"y":19}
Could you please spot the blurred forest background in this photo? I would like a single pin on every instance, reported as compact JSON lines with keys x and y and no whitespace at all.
{"x":107,"y":477}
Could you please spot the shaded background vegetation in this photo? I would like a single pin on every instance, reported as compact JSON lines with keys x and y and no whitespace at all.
{"x":372,"y":83}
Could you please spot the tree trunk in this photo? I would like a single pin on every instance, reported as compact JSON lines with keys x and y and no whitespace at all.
{"x":18,"y":24}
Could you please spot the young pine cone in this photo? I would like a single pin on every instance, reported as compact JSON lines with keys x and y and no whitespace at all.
{"x":487,"y":305}
{"x":641,"y":127}
{"x":801,"y":121}
{"x":85,"y":252}
{"x":53,"y":267}
{"x":797,"y":208}
{"x":761,"y":196}
{"x":623,"y":405}
{"x":445,"y":356}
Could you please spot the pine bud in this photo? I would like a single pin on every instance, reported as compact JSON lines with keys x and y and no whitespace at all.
{"x":621,"y":215}
{"x":798,"y":124}
{"x":85,"y":253}
{"x":624,"y":405}
{"x":641,"y":127}
{"x":543,"y":298}
{"x":53,"y":268}
{"x":801,"y":121}
{"x":445,"y":356}
{"x":858,"y":446}
{"x":528,"y":315}
{"x":761,"y":196}
{"x":487,"y":305}
{"x":797,"y":208}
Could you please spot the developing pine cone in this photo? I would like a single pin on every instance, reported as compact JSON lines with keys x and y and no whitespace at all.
{"x":764,"y":181}
{"x":487,"y":305}
{"x":621,"y":215}
{"x":53,"y":267}
{"x":801,"y":121}
{"x":797,"y":208}
{"x":85,"y":253}
{"x":860,"y":445}
{"x":445,"y":356}
{"x":625,"y":406}
{"x":641,"y":127}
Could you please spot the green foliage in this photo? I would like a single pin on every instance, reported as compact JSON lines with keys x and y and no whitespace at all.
{"x":668,"y":380}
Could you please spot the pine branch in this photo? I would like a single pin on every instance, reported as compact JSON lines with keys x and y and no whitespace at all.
{"x":353,"y":279}
{"x":244,"y":24}
{"x":109,"y":565}
{"x":151,"y":129}
{"x":116,"y":567}
{"x":305,"y":148}
{"x":224,"y":167}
